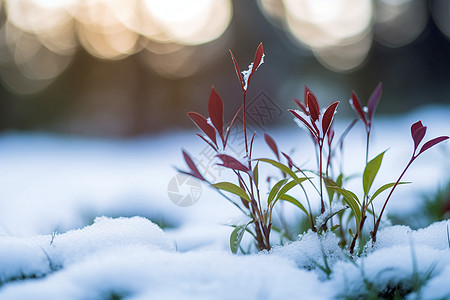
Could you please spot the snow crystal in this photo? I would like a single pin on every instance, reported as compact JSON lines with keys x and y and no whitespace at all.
{"x":336,"y":206}
{"x":312,"y":250}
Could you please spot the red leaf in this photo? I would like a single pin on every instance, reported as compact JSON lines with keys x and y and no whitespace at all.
{"x":206,"y":141}
{"x":432,"y":142}
{"x":374,"y":99}
{"x":328,"y":117}
{"x":272,"y":144}
{"x":203,"y":125}
{"x":414,"y":127}
{"x":215,"y":109}
{"x":232,"y":163}
{"x":418,"y":136}
{"x":313,"y":106}
{"x":194,"y":171}
{"x":301,"y":106}
{"x":251,"y":144}
{"x":354,"y":102}
{"x":306,"y":93}
{"x":258,"y":56}
{"x":330,"y":134}
{"x":289,"y":160}
{"x":314,"y":132}
{"x":236,"y":68}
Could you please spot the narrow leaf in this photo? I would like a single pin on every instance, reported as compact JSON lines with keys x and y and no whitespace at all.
{"x":284,"y":169}
{"x":203,"y":125}
{"x":256,"y":173}
{"x":313,"y":131}
{"x":301,"y":106}
{"x":383,"y":188}
{"x":206,"y":141}
{"x":313,"y":106}
{"x":272,"y":145}
{"x":236,"y":237}
{"x":432,"y":142}
{"x":258,"y":57}
{"x":415,"y":127}
{"x":287,"y":187}
{"x":232,"y":188}
{"x":295,"y":202}
{"x":374,"y":99}
{"x":215,"y":110}
{"x":350,"y":199}
{"x":418,"y":136}
{"x":251,"y":144}
{"x":236,"y":68}
{"x":354,"y":102}
{"x":194,"y":171}
{"x":328,"y":116}
{"x":371,"y":171}
{"x":232,"y":163}
{"x":274,"y":190}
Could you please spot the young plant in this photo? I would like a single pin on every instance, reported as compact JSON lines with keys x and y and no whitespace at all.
{"x":417,"y":133}
{"x":318,"y":123}
{"x":246,"y":169}
{"x":259,"y":206}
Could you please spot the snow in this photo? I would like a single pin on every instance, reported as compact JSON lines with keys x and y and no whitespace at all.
{"x":246,"y":73}
{"x":54,"y":244}
{"x":40,"y":255}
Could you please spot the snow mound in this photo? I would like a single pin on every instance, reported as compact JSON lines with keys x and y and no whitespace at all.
{"x":437,"y":236}
{"x":136,"y":272}
{"x":37,"y":256}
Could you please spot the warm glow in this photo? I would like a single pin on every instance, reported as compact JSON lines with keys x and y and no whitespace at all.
{"x":41,"y":36}
{"x":190,"y":22}
{"x":322,"y":23}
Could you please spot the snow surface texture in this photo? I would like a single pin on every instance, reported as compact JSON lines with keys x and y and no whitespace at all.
{"x":134,"y":259}
{"x":37,"y":256}
{"x":55,"y":184}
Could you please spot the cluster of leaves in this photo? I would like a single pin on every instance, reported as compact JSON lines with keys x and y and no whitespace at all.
{"x":327,"y":181}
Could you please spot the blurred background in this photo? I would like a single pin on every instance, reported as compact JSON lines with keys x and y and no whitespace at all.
{"x":119,"y":68}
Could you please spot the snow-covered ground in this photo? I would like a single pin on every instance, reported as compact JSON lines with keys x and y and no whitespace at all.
{"x":54,"y":190}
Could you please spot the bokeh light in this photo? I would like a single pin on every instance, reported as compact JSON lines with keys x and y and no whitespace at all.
{"x":340,"y":33}
{"x":39,"y":38}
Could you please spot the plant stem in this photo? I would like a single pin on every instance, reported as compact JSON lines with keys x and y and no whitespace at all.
{"x":377,"y":224}
{"x":244,"y":94}
{"x":322,"y":204}
{"x":367,"y":146}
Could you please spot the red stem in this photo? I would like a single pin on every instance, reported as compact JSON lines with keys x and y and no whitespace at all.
{"x":244,"y":94}
{"x":377,"y":224}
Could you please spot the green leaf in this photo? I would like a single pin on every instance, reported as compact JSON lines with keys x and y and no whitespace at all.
{"x":232,"y":188}
{"x":371,"y":171}
{"x":287,"y":187}
{"x":275,"y":190}
{"x":351,"y":199}
{"x":335,"y":227}
{"x":236,"y":237}
{"x":351,"y":232}
{"x":256,"y":173}
{"x":284,"y":169}
{"x":295,"y":202}
{"x":383,"y":188}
